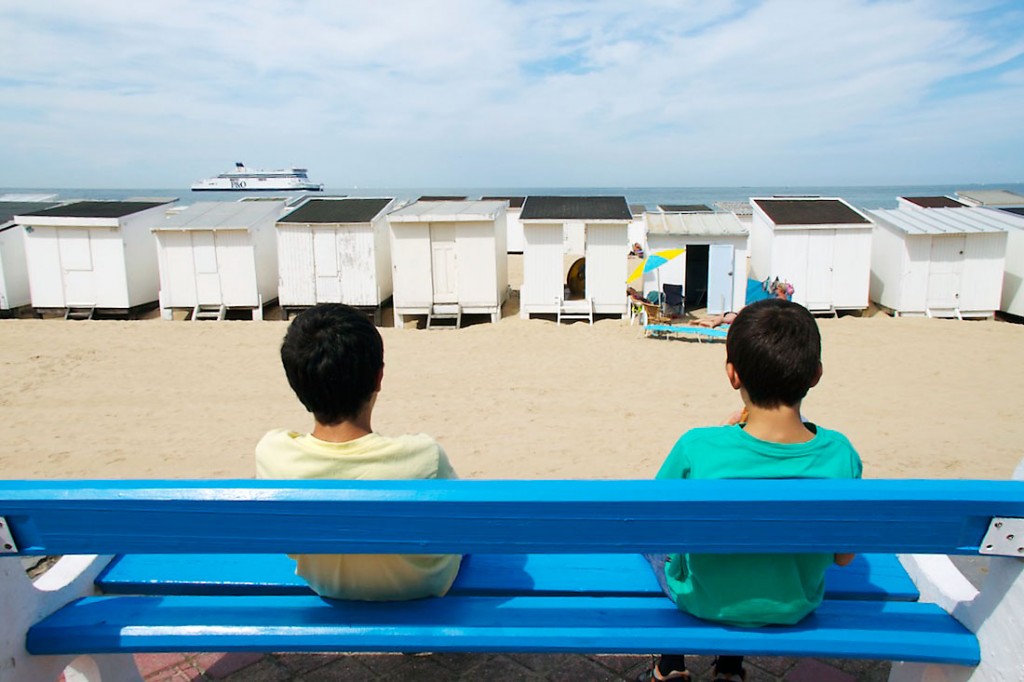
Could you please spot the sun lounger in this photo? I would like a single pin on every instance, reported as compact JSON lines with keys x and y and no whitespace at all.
{"x":701,"y":333}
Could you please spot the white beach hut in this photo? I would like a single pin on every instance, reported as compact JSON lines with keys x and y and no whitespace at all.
{"x":218,"y":255}
{"x":1012,"y":300}
{"x":555,"y":279}
{"x":943,"y":262}
{"x":14,"y":290}
{"x":93,"y":257}
{"x":822,"y":246}
{"x":514,"y":228}
{"x":449,"y":258}
{"x":335,"y":250}
{"x":713,"y":271}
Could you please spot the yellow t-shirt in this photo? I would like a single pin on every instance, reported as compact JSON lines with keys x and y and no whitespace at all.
{"x":283,"y":454}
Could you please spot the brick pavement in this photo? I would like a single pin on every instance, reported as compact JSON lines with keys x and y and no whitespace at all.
{"x":247,"y":667}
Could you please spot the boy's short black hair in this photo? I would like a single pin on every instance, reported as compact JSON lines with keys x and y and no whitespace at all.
{"x":332,"y":355}
{"x":775,"y":347}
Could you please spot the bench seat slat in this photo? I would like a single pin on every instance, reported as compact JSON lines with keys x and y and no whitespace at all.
{"x":870,"y":576}
{"x":848,"y":629}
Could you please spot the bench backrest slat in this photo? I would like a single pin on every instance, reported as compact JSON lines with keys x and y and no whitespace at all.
{"x":517,"y":517}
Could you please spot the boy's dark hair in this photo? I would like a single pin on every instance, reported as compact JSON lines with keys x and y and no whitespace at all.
{"x":332,"y":355}
{"x":775,"y":347}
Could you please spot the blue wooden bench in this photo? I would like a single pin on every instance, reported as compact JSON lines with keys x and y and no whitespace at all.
{"x":554,"y":566}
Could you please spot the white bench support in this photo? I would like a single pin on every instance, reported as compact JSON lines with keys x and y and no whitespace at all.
{"x":23,"y":603}
{"x":995,"y":615}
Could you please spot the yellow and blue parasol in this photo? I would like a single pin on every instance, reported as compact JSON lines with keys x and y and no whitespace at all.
{"x":653,"y":262}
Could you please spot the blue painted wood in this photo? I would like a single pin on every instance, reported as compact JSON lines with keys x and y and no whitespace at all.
{"x":894,"y":631}
{"x":871,"y":576}
{"x":510,"y":517}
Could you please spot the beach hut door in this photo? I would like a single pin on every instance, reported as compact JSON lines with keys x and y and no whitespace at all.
{"x":325,"y":263}
{"x":443,"y":263}
{"x":945,"y":270}
{"x":204,"y":251}
{"x":820,"y":264}
{"x":76,"y":264}
{"x":720,"y":279}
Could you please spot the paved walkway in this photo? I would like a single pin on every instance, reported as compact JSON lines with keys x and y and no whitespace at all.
{"x":246,"y":667}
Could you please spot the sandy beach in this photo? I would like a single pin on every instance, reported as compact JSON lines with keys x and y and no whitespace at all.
{"x":517,"y":399}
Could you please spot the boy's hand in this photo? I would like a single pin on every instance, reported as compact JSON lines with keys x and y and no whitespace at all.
{"x":844,"y":559}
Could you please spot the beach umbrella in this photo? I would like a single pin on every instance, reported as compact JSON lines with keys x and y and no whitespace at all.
{"x":653,"y":262}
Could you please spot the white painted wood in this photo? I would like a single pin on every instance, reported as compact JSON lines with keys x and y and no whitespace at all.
{"x":543,"y":280}
{"x":946,"y":262}
{"x":14,"y":290}
{"x":721,"y":273}
{"x":993,"y":614}
{"x":444,"y":269}
{"x":514,"y":231}
{"x":606,"y":274}
{"x":982,"y":276}
{"x":1012,"y":297}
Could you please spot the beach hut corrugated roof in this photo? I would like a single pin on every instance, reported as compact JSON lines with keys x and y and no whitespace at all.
{"x":939,"y":221}
{"x":685,"y":208}
{"x":95,"y":209}
{"x":337,"y":210}
{"x":935,"y":202}
{"x":991,"y":197}
{"x":447,"y":211}
{"x":698,"y":224}
{"x":810,"y":211}
{"x":586,"y":208}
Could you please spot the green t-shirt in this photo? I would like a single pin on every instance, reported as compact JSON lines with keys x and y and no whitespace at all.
{"x":753,"y":589}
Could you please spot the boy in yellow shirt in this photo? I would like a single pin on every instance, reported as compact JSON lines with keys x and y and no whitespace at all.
{"x":333,"y":357}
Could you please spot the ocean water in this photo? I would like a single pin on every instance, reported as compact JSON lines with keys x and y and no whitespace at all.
{"x":869,"y":197}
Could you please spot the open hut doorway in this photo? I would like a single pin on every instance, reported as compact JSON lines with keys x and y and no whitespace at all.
{"x":696,"y":285}
{"x":576,"y":280}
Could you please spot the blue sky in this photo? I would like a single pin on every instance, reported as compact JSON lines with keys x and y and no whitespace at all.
{"x":511,"y":93}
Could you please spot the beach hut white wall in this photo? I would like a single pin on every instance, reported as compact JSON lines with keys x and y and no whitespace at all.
{"x":636,"y":232}
{"x":549,"y":230}
{"x":943,"y":262}
{"x":726,"y":240}
{"x":1012,"y":300}
{"x":335,"y":250}
{"x":514,"y":228}
{"x":93,"y":254}
{"x":822,"y":246}
{"x":14,"y":290}
{"x":218,"y":253}
{"x":449,"y":255}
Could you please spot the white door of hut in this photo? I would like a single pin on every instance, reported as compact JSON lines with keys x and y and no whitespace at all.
{"x":76,"y":264}
{"x":443,"y":263}
{"x":325,"y":266}
{"x":720,"y":279}
{"x":947,"y":263}
{"x":204,"y":251}
{"x":820,"y":268}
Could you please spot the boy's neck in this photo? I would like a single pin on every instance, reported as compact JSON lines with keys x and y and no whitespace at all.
{"x":777,"y":424}
{"x":344,"y":431}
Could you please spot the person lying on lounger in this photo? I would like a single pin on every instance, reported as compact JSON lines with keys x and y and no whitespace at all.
{"x":715,"y":320}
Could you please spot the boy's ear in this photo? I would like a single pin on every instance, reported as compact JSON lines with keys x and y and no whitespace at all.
{"x":380,"y":378}
{"x":817,"y":377}
{"x":734,"y":378}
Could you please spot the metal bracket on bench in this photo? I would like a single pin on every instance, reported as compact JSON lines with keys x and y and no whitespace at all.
{"x":1005,"y":537}
{"x":7,"y":544}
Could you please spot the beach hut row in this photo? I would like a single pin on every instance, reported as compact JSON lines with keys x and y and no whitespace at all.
{"x":442,"y":257}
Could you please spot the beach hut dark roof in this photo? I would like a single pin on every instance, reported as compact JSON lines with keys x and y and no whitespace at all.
{"x":441,"y":197}
{"x":1013,"y":209}
{"x":576,"y":208}
{"x":935,"y":202}
{"x":337,"y":211}
{"x":685,"y":208}
{"x":513,"y":202}
{"x":96,"y":209}
{"x":809,"y":212}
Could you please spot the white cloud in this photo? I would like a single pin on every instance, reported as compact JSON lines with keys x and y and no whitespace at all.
{"x":507,"y":93}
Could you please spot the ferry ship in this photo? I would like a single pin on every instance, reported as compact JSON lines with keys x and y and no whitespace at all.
{"x":243,"y":179}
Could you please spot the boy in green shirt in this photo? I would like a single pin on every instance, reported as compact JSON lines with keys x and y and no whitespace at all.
{"x":773,"y":357}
